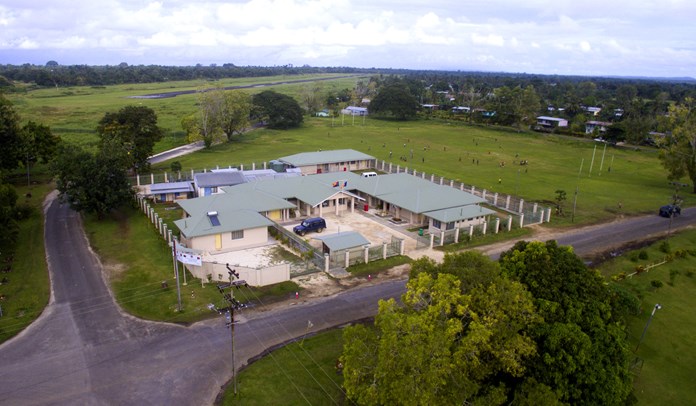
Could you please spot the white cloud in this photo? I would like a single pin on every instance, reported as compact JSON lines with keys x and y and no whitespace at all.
{"x":585,"y":46}
{"x":490,"y":39}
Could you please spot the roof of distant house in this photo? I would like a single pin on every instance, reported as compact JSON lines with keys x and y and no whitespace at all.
{"x":218,"y":178}
{"x":171,"y":187}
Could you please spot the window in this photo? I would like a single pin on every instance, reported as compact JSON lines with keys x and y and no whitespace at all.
{"x":449,"y":226}
{"x":237,"y":235}
{"x":436,"y":223}
{"x":341,"y":201}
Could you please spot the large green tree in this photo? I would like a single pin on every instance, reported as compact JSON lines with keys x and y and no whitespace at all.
{"x":457,"y":339}
{"x":135,"y":130}
{"x":678,"y":149}
{"x":93,"y":183}
{"x":394,"y":100}
{"x":236,"y":110}
{"x":10,"y":136}
{"x":278,"y":110}
{"x":582,"y":351}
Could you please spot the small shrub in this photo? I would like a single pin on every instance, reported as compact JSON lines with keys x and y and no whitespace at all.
{"x":640,"y":268}
{"x":633,"y":257}
{"x":680,"y":253}
{"x":690,"y":273}
{"x":656,"y":284}
{"x":643,"y":255}
{"x":665,"y":247}
{"x":672,"y":276}
{"x":24,"y":211}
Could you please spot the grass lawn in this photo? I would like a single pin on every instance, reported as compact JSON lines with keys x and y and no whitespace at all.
{"x":299,"y":373}
{"x":138,"y":260}
{"x":27,"y":289}
{"x":74,"y":112}
{"x":666,"y":353}
{"x":636,"y":183}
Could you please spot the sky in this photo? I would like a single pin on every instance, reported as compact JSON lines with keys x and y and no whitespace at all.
{"x":568,"y":37}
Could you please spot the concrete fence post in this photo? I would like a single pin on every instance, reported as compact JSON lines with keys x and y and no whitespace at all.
{"x":495,"y":199}
{"x":507,"y":202}
{"x":497,"y":225}
{"x":432,"y":240}
{"x":159,"y":225}
{"x":509,"y":223}
{"x":456,"y":235}
{"x":521,"y":206}
{"x":398,"y":167}
{"x":473,"y":188}
{"x":264,"y":165}
{"x":164,"y":231}
{"x":483,"y":195}
{"x":326,"y":263}
{"x":166,"y":178}
{"x":451,"y":183}
{"x":442,"y":180}
{"x":169,"y":236}
{"x":442,"y":238}
{"x":471,"y":231}
{"x":366,"y":254}
{"x":347,"y":257}
{"x":192,"y":173}
{"x":461,"y":187}
{"x":402,"y":247}
{"x":548,"y":214}
{"x":415,"y":172}
{"x":432,"y":178}
{"x":521,"y":220}
{"x":390,"y":167}
{"x":384,"y":250}
{"x":241,"y":167}
{"x":152,"y":178}
{"x":485,"y":226}
{"x":137,"y":179}
{"x":534,"y":208}
{"x":423,"y":175}
{"x":253,"y":166}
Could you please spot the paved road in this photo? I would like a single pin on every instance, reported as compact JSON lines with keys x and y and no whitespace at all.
{"x":84,"y":350}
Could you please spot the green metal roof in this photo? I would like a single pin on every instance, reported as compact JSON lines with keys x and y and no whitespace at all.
{"x":343,"y":241}
{"x":459,"y":213}
{"x":230,"y":220}
{"x":325,"y":157}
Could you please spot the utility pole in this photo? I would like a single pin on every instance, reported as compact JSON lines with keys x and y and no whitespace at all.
{"x":645,"y":329}
{"x":232,"y":305}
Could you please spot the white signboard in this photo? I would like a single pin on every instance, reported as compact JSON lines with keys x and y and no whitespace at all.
{"x":188,"y":256}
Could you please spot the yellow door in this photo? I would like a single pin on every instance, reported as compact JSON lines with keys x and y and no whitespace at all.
{"x":274,"y":215}
{"x":218,"y":241}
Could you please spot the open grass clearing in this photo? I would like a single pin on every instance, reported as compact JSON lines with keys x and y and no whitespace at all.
{"x":636,"y":183}
{"x":303,"y":372}
{"x":74,"y":112}
{"x":666,"y":359}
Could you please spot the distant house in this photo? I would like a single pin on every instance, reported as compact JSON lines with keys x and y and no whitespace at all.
{"x":171,"y":191}
{"x":208,"y":183}
{"x":323,"y":113}
{"x":355,"y":111}
{"x":341,"y":160}
{"x":461,"y":109}
{"x":549,"y":123}
{"x":593,"y":110}
{"x":431,"y":107}
{"x":600,"y":126}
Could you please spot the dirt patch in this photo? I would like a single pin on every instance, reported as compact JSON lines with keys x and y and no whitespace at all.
{"x":113,"y":271}
{"x":321,"y":285}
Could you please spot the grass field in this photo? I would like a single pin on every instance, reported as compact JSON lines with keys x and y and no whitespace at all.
{"x":636,"y":182}
{"x":299,"y":373}
{"x":74,"y":112}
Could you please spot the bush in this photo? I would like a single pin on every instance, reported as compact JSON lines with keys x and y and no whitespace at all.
{"x":656,"y":284}
{"x":24,"y":211}
{"x":633,"y":256}
{"x":643,"y":255}
{"x":665,"y":247}
{"x":672,"y":276}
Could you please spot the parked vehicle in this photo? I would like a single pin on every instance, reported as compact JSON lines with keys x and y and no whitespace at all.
{"x":369,"y":174}
{"x":317,"y":224}
{"x":670,"y":210}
